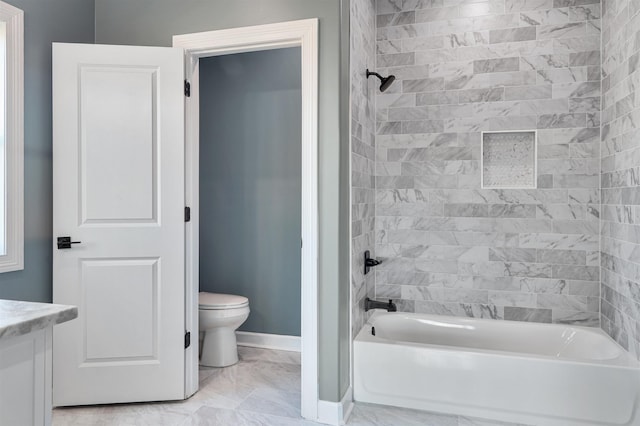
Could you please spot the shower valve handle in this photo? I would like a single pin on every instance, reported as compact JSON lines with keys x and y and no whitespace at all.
{"x":369,"y":262}
{"x":372,"y":262}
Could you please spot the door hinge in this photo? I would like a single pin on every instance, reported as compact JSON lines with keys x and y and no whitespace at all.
{"x":187,"y":89}
{"x":187,"y":339}
{"x":187,"y":214}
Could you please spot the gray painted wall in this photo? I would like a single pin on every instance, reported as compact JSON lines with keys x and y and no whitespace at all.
{"x":344,"y":287}
{"x":450,"y":247}
{"x":45,"y":22}
{"x":250,"y":184}
{"x":620,"y":150}
{"x":154,"y":22}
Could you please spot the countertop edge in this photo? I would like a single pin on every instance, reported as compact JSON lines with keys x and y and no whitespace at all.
{"x":19,"y":318}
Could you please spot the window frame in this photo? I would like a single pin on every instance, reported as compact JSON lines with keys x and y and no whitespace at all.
{"x":13,"y":259}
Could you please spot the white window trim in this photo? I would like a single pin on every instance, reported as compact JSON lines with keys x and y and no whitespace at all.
{"x":13,"y":260}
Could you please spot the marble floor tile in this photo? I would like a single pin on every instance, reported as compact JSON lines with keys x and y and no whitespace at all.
{"x":210,"y":416}
{"x":155,"y":414}
{"x":378,"y":415}
{"x":273,"y":401}
{"x":262,"y":389}
{"x":205,"y":372}
{"x":247,"y":353}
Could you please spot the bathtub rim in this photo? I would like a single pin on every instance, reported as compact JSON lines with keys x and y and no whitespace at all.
{"x":624,"y":361}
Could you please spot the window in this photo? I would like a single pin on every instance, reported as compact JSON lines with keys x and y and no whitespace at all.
{"x":11,"y":139}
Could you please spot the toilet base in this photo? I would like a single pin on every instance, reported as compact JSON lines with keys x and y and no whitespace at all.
{"x":219,"y":348}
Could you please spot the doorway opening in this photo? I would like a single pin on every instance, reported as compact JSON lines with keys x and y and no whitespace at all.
{"x":250,"y":195}
{"x":199,"y":49}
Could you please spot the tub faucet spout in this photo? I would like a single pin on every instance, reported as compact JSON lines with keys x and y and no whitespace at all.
{"x":374,"y":304}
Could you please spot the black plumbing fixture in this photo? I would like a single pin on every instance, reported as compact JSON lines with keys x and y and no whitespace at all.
{"x":369,"y":262}
{"x":374,"y":304}
{"x":385,"y":82}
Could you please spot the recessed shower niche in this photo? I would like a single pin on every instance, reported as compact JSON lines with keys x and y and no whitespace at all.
{"x":509,"y":159}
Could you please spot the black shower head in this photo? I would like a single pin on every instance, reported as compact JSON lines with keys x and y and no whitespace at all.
{"x":385,"y":82}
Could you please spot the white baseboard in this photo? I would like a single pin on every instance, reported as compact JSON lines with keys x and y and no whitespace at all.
{"x":269,"y":341}
{"x":336,"y":413}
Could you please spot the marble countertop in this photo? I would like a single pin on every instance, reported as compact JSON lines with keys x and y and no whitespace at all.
{"x":18,"y":318}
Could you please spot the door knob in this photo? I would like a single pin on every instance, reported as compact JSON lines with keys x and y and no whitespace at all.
{"x":65,"y":242}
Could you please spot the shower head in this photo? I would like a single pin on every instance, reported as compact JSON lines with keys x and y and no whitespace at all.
{"x":385,"y":82}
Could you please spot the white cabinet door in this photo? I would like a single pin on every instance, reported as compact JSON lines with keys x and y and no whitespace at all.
{"x":25,"y":379}
{"x":118,"y":189}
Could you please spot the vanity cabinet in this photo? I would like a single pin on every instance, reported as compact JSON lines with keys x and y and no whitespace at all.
{"x":25,"y":360}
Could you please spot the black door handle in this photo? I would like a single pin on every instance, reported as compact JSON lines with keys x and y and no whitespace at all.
{"x":65,"y":242}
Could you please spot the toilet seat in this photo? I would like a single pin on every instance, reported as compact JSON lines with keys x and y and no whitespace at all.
{"x":219,"y":301}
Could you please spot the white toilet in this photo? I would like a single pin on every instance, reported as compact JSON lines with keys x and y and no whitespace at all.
{"x":220,"y":315}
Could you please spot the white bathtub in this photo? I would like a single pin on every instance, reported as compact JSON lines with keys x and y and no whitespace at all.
{"x":539,"y":374}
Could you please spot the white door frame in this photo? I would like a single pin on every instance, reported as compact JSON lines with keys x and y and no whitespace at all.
{"x":303,"y":34}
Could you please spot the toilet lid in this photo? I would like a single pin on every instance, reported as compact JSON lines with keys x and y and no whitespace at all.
{"x":221,"y":301}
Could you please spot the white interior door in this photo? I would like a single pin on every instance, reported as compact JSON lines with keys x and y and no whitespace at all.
{"x":118,"y":189}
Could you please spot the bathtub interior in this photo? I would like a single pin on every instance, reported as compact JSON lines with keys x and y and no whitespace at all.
{"x":530,"y":339}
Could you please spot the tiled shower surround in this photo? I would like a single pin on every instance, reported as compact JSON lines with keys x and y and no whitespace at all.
{"x":621,"y":173}
{"x":363,"y":56}
{"x":463,"y":67}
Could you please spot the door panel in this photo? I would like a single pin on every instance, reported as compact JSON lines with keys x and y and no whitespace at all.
{"x":104,"y":282}
{"x":118,"y":178}
{"x":119,"y":115}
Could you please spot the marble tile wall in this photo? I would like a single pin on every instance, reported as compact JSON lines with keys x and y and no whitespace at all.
{"x":466,"y":66}
{"x":363,"y":56}
{"x":620,"y":179}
